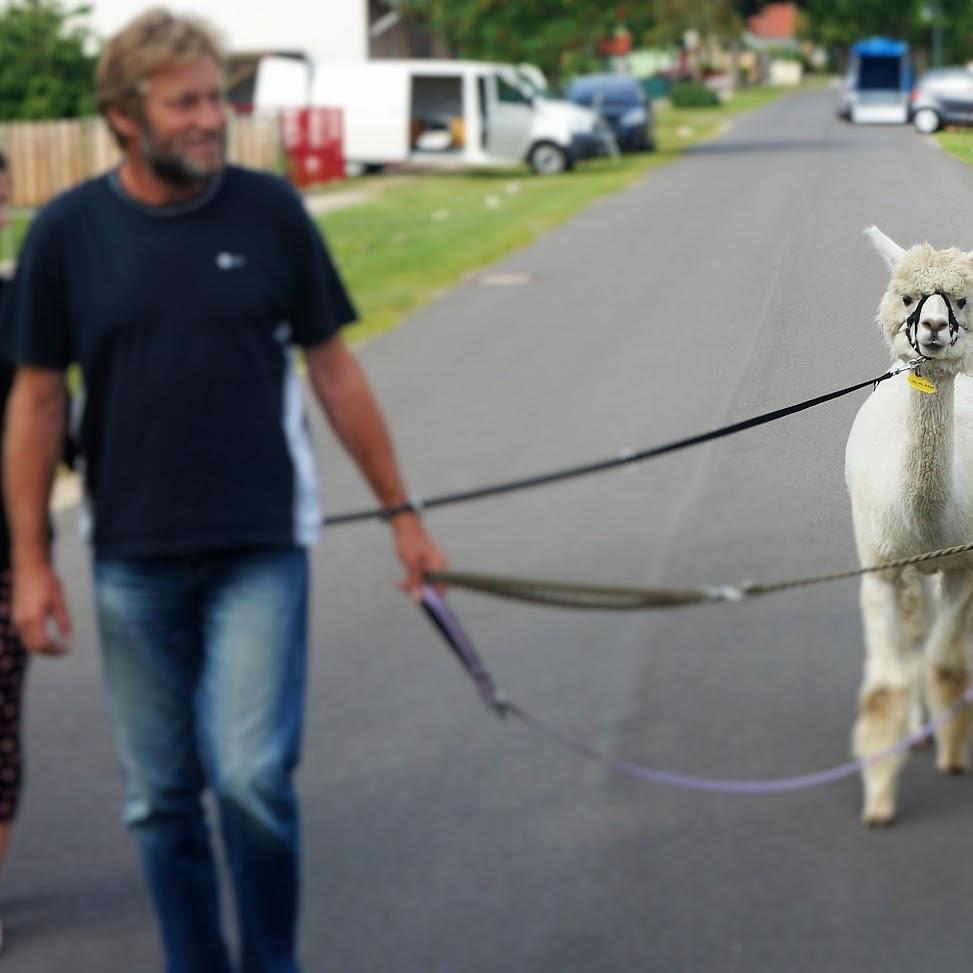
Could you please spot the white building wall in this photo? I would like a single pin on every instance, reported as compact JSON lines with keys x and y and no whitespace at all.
{"x":329,"y":30}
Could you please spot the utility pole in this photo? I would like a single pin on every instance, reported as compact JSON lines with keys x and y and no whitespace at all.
{"x":931,"y":13}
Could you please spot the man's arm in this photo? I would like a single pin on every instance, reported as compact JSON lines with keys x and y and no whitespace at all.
{"x":346,"y":397}
{"x":33,"y":439}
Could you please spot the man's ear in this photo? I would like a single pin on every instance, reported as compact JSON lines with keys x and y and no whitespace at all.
{"x":124,"y":124}
{"x":891,"y":252}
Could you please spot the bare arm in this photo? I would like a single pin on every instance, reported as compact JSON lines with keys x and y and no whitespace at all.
{"x":33,"y":439}
{"x":347,"y":399}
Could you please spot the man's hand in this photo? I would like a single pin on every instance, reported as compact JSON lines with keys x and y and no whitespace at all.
{"x":40,"y":611}
{"x":344,"y":392}
{"x":417,"y":551}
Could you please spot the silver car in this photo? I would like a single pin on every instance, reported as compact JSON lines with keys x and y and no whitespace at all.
{"x":942,"y":96}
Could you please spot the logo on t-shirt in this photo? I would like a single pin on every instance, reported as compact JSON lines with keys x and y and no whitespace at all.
{"x":230,"y":261}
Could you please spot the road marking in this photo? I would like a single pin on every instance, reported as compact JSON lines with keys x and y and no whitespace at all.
{"x":508,"y":279}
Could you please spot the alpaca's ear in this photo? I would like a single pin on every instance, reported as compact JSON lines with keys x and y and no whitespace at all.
{"x":889,"y":249}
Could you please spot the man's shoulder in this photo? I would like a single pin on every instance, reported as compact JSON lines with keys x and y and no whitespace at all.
{"x":65,"y":208}
{"x":282,"y":215}
{"x":260,"y":185}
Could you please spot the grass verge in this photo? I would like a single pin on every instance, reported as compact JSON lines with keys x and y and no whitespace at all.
{"x":420,"y":235}
{"x":958,"y":142}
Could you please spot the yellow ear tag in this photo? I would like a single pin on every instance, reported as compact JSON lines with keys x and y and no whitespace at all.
{"x":921,"y":384}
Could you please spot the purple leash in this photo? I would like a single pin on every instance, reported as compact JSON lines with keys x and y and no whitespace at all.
{"x":462,"y":647}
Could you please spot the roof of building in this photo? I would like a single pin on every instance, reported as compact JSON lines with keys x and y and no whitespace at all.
{"x":776,"y":21}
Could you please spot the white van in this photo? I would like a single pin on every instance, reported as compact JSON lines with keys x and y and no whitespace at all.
{"x":454,"y":113}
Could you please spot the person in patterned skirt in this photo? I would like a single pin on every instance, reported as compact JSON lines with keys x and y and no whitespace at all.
{"x":13,"y":657}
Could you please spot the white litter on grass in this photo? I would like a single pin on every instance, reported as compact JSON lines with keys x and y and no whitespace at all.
{"x":440,"y":215}
{"x":492,"y":201}
{"x":513,"y":188}
{"x":684,"y":131}
{"x":505,"y":279}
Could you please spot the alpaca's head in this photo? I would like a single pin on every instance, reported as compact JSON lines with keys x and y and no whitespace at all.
{"x":927,"y":307}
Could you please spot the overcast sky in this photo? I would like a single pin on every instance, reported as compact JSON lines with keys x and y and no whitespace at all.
{"x":327,"y":29}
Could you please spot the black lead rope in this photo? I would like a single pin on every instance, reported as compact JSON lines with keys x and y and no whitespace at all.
{"x":627,"y":459}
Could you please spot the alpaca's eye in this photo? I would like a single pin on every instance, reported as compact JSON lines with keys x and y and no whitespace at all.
{"x":962,"y":302}
{"x":906,"y":300}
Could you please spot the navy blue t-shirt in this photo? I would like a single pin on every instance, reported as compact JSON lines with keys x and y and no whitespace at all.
{"x":182,"y":319}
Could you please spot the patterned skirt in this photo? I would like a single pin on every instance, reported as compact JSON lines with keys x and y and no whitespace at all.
{"x":13,"y":663}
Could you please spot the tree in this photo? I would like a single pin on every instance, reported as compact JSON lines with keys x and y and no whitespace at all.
{"x":839,"y":23}
{"x":44,"y":70}
{"x":556,"y":35}
{"x":673,"y":18}
{"x":842,"y":22}
{"x":720,"y":20}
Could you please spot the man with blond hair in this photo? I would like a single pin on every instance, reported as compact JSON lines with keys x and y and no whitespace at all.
{"x":179,"y":284}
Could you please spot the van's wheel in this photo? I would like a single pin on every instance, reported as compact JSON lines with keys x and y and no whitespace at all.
{"x":925,"y":121}
{"x":548,"y":159}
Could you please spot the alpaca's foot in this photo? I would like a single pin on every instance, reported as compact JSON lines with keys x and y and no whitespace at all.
{"x":876,"y":820}
{"x":882,"y":720}
{"x":952,"y":755}
{"x":946,"y":688}
{"x":879,"y":808}
{"x":955,"y":768}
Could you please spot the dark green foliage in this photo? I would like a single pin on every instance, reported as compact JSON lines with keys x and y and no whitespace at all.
{"x":689,"y":94}
{"x":708,"y":18}
{"x":559,"y":36}
{"x":44,"y":70}
{"x":839,"y":23}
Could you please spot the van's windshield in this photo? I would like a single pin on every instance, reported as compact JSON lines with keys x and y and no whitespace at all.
{"x":532,"y":87}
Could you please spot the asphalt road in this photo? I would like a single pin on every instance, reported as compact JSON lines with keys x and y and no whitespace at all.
{"x":439,"y":839}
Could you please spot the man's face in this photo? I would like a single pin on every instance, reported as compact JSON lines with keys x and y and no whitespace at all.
{"x":181,"y":134}
{"x":4,"y":196}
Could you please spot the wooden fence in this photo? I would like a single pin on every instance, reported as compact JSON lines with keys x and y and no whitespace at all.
{"x":48,"y":157}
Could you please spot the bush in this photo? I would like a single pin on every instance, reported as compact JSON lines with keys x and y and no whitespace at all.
{"x":689,"y":94}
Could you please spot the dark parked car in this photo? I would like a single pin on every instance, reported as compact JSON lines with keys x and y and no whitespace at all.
{"x":942,"y":96}
{"x":622,"y":102}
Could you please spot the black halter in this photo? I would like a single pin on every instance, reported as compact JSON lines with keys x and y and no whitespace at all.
{"x":911,"y":324}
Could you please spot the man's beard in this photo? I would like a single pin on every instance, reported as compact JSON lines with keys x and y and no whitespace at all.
{"x":173,"y":168}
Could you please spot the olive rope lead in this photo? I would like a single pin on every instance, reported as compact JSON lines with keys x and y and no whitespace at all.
{"x":629,"y":457}
{"x":564,"y":594}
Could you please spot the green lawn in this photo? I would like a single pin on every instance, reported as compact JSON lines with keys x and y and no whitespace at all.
{"x":12,"y":236}
{"x":421,"y":234}
{"x":958,"y":142}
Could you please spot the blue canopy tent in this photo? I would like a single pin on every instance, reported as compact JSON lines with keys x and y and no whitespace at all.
{"x":879,"y":81}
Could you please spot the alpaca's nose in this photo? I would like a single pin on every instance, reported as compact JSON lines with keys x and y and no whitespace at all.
{"x":935,"y":316}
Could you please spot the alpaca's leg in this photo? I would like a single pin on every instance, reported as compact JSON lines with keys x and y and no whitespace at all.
{"x":914,"y":598}
{"x":948,"y":670}
{"x":883,"y":713}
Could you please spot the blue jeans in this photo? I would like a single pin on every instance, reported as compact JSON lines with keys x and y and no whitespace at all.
{"x":205,"y":663}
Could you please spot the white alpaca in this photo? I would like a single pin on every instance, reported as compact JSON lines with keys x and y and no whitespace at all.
{"x":909,"y":469}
